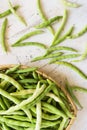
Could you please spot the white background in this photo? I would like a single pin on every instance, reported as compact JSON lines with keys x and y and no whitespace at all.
{"x":23,"y":55}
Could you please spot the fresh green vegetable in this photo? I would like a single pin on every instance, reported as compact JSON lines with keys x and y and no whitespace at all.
{"x":48,"y":22}
{"x":15,"y":14}
{"x":70,"y":4}
{"x":2,"y":35}
{"x":43,"y":16}
{"x":7,"y":12}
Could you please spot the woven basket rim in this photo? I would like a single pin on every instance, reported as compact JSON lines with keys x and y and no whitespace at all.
{"x":61,"y":87}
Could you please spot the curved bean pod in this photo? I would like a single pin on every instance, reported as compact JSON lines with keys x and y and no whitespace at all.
{"x":43,"y":16}
{"x":60,"y":28}
{"x":69,"y":56}
{"x":28,"y":35}
{"x":48,"y":22}
{"x":38,"y":44}
{"x":73,"y":67}
{"x":7,"y":12}
{"x":70,"y":4}
{"x":15,"y":14}
{"x":2,"y":35}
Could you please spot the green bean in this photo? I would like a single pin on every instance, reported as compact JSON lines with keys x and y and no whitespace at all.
{"x":69,"y":56}
{"x":3,"y":84}
{"x":2,"y":35}
{"x":28,"y":35}
{"x":25,"y":70}
{"x":83,"y":31}
{"x":27,"y":81}
{"x":16,"y":122}
{"x":30,"y":86}
{"x":59,"y":48}
{"x":5,"y":127}
{"x":61,"y":39}
{"x":15,"y":127}
{"x":13,"y":69}
{"x":46,"y":116}
{"x":2,"y":104}
{"x":23,"y":92}
{"x":48,"y":56}
{"x":39,"y":116}
{"x":11,"y":89}
{"x":62,"y":124}
{"x":77,"y":88}
{"x":43,"y":16}
{"x":70,"y":4}
{"x":60,"y":28}
{"x":48,"y":22}
{"x":38,"y":44}
{"x":72,"y":95}
{"x":7,"y":12}
{"x":35,"y":75}
{"x":73,"y":67}
{"x":27,"y":101}
{"x":6,"y":102}
{"x":15,"y":14}
{"x":53,"y":109}
{"x":11,"y":80}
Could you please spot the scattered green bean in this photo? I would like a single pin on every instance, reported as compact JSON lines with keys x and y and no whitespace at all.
{"x":77,"y":88}
{"x":15,"y":14}
{"x":38,"y":44}
{"x":73,"y":67}
{"x":70,"y":4}
{"x":60,"y":28}
{"x":48,"y":56}
{"x":28,"y":35}
{"x":48,"y":22}
{"x":72,"y":95}
{"x":43,"y":16}
{"x":7,"y":12}
{"x":61,"y":39}
{"x":68,"y":56}
{"x":59,"y":48}
{"x":2,"y":35}
{"x":83,"y":31}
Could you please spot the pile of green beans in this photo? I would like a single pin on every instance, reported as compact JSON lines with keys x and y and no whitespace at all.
{"x":30,"y":101}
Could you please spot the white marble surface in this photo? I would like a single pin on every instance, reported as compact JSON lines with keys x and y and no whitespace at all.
{"x":23,"y":55}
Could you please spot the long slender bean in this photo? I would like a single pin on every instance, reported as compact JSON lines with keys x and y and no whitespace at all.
{"x":13,"y":69}
{"x":77,"y":88}
{"x":38,"y":44}
{"x":21,"y":19}
{"x":28,"y":35}
{"x":70,"y":4}
{"x":7,"y":12}
{"x":43,"y":16}
{"x":39,"y":116}
{"x":60,"y":28}
{"x":83,"y":31}
{"x":53,"y":109}
{"x":6,"y":102}
{"x":11,"y":80}
{"x":68,"y":56}
{"x":61,"y":127}
{"x":2,"y":104}
{"x":15,"y":127}
{"x":59,"y":48}
{"x":62,"y":38}
{"x":48,"y":22}
{"x":26,"y":70}
{"x":5,"y":127}
{"x":73,"y":96}
{"x":73,"y":67}
{"x":2,"y":35}
{"x":29,"y":80}
{"x":48,"y":56}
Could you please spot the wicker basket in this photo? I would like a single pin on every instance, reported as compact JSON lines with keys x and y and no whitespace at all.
{"x":61,"y":87}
